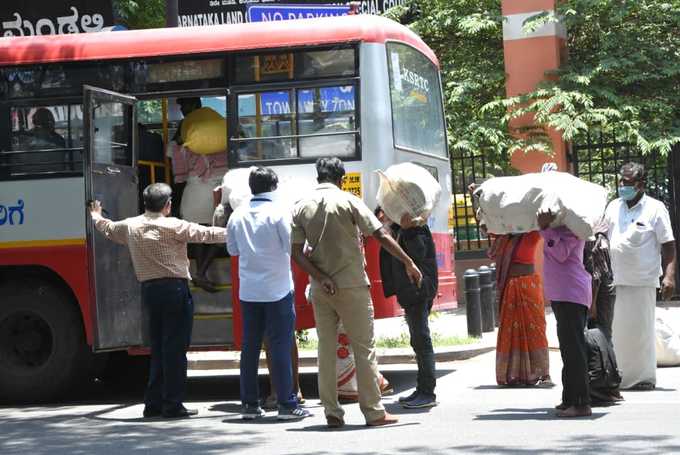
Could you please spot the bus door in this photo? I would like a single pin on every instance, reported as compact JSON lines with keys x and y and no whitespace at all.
{"x":110,"y":130}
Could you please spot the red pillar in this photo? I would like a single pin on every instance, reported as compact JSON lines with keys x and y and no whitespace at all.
{"x":527,"y":58}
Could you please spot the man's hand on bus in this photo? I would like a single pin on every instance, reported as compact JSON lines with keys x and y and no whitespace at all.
{"x":95,"y":209}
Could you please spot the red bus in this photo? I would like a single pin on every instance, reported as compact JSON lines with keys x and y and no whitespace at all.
{"x":88,"y":116}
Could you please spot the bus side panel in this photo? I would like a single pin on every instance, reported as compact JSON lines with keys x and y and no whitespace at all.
{"x":67,"y":261}
{"x":383,"y":307}
{"x":50,"y":233}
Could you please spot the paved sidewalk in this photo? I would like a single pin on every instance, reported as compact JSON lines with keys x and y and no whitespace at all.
{"x":446,"y":324}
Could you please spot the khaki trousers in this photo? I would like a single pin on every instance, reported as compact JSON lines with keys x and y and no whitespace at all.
{"x":354,"y":307}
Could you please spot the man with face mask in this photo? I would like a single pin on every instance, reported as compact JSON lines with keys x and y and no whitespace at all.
{"x":642,"y":249}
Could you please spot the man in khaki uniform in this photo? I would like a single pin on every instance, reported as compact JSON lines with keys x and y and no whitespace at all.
{"x":330,"y":221}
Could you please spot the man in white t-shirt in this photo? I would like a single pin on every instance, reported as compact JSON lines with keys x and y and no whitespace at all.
{"x":642,"y":249}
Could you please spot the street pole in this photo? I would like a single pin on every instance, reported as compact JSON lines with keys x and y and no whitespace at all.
{"x":171,"y":13}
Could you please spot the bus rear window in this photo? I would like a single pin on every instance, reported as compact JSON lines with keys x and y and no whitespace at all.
{"x":417,"y":113}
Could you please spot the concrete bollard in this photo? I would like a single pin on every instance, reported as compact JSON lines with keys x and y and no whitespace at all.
{"x":494,"y":296}
{"x":485,"y":298}
{"x":473,"y":308}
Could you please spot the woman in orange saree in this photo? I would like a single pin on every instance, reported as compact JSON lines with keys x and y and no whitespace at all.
{"x":522,"y":346}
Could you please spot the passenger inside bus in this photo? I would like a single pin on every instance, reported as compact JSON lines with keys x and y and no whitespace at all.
{"x":43,"y":135}
{"x":42,"y":146}
{"x":202,"y":172}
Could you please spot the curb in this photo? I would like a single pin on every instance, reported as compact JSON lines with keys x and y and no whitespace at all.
{"x":230,"y":360}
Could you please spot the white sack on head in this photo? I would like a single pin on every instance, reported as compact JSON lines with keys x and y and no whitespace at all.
{"x":291,"y":190}
{"x":510,"y":204}
{"x":235,"y":187}
{"x":407,"y":188}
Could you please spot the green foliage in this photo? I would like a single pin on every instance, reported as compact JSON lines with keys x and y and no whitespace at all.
{"x":137,"y":14}
{"x":622,"y":76}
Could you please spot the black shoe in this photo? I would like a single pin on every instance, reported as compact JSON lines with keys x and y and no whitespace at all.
{"x":408,"y":398}
{"x":421,"y":401}
{"x":150,"y":412}
{"x":180,"y":413}
{"x":644,"y":386}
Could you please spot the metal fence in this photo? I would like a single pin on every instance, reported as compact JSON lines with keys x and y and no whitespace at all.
{"x":470,"y":168}
{"x":598,"y":158}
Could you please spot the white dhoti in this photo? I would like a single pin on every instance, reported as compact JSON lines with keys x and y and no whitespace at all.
{"x":633,"y":334}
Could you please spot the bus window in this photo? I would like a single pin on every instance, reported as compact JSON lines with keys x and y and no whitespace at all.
{"x":45,"y":140}
{"x":321,"y":121}
{"x":282,"y":66}
{"x":327,"y":113}
{"x":417,"y":113}
{"x":173,"y":74}
{"x":330,"y":63}
{"x":113,"y":146}
{"x":61,"y":79}
{"x":266,"y":125}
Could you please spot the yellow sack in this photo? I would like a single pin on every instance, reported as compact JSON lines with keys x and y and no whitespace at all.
{"x":204,"y":131}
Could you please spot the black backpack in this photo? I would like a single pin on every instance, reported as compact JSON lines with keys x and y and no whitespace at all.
{"x":603,"y":371}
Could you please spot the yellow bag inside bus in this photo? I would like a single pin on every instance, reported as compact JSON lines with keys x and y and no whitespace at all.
{"x":204,"y":131}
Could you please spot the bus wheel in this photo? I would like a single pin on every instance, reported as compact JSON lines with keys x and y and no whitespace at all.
{"x":42,"y":345}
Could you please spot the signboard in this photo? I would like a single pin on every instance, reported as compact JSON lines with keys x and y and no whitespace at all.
{"x":38,"y":17}
{"x":216,"y":12}
{"x":265,"y":13}
{"x":352,"y":183}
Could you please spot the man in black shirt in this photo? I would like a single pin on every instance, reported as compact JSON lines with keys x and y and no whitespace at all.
{"x":417,"y":242}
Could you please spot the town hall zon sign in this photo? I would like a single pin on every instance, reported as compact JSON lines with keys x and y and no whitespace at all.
{"x":215,"y":12}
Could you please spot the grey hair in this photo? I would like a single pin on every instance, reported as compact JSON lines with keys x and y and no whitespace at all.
{"x":156,"y":196}
{"x":637,"y":169}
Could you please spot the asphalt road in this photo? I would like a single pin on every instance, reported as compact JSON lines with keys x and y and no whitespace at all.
{"x":474,"y":416}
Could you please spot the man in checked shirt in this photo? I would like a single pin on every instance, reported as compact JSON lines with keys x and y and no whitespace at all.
{"x":158,"y":247}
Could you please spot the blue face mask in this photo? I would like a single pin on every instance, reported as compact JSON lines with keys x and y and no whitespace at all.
{"x":628,"y":193}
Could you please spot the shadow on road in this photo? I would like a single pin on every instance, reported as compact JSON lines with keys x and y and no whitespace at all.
{"x":531,"y":414}
{"x":595,"y":443}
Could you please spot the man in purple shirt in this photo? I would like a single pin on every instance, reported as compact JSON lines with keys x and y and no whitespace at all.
{"x":568,"y":286}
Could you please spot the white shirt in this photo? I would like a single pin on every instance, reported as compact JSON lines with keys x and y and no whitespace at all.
{"x":259,"y":234}
{"x":635,"y":236}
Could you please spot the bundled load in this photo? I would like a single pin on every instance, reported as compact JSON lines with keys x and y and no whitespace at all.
{"x":407,"y":189}
{"x":235,"y":191}
{"x":235,"y":187}
{"x":204,"y":131}
{"x":509,"y":204}
{"x":667,"y":345}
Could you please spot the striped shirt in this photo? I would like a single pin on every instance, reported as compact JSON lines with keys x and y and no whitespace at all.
{"x":158,"y":244}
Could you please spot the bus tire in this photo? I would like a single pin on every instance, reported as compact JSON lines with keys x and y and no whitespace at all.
{"x":43,"y":351}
